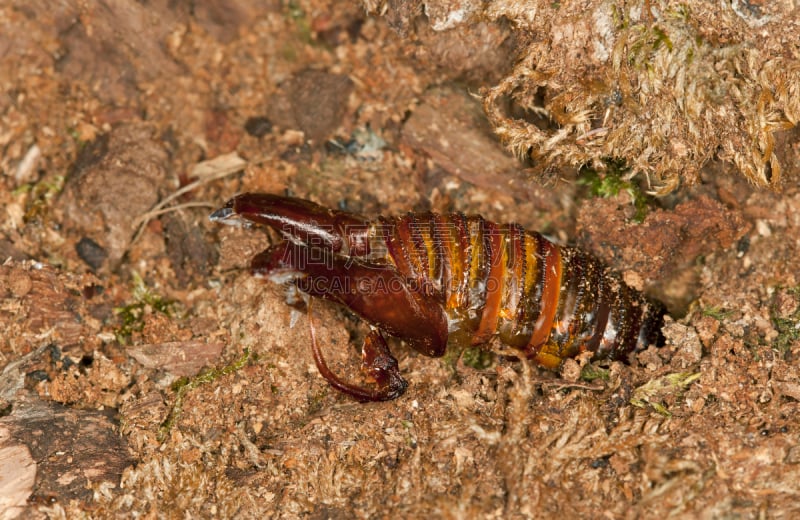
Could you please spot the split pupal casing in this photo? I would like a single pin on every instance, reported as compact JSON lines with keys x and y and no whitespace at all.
{"x":548,"y":301}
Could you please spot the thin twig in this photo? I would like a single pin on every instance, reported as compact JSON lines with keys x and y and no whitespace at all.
{"x":159,"y":209}
{"x":150,"y":215}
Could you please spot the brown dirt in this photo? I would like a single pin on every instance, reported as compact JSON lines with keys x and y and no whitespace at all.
{"x":108,"y":110}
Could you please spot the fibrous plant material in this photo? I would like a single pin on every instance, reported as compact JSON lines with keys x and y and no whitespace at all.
{"x":664,"y":85}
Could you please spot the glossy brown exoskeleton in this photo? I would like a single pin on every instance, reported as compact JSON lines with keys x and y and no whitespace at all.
{"x":433,"y":280}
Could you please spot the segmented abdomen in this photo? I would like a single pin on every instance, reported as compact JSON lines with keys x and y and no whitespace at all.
{"x":549,"y":301}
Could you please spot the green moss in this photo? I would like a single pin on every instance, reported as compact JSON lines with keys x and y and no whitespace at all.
{"x":183,"y":385}
{"x":473,"y":357}
{"x":296,"y":14}
{"x":410,"y":438}
{"x":132,"y":315}
{"x":654,"y":391}
{"x":660,"y":38}
{"x":611,"y":182}
{"x":682,"y":12}
{"x":788,"y":327}
{"x":718,"y":313}
{"x":619,"y":18}
{"x":591,"y":372}
{"x":295,"y":11}
{"x":450,"y":358}
{"x":649,"y":39}
{"x":477,"y":358}
{"x":40,"y":196}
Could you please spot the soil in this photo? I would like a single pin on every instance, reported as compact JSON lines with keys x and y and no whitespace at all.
{"x":145,"y":372}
